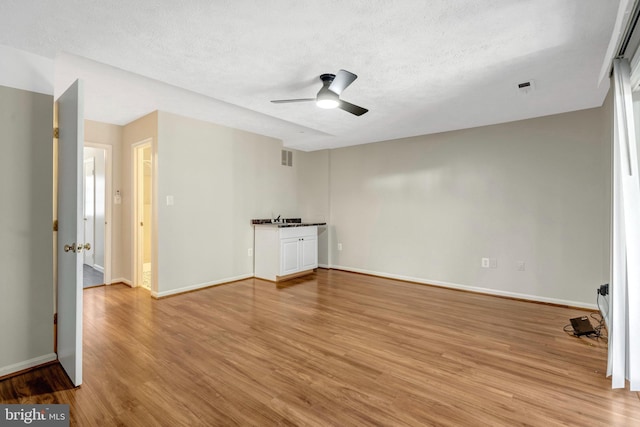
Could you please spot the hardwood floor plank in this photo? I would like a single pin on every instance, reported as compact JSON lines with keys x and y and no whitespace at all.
{"x":334,"y":348}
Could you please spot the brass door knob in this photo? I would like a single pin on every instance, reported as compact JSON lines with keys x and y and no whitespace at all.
{"x":70,"y":248}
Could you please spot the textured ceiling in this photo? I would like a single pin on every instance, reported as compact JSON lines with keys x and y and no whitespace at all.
{"x":423,"y":66}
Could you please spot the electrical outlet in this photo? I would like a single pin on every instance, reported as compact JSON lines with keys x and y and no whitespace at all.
{"x":339,"y":246}
{"x":485,"y":263}
{"x":520,"y":265}
{"x":250,"y":252}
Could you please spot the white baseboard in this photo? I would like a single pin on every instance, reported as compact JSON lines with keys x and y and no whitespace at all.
{"x":122,"y":280}
{"x":17,"y":367}
{"x":199,"y":286}
{"x":98,"y":268}
{"x":476,"y":289}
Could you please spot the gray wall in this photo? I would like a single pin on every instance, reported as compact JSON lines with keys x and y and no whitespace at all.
{"x":424,"y":208}
{"x":26,"y":252}
{"x":313,"y":195}
{"x":219,"y":178}
{"x":429,"y":208}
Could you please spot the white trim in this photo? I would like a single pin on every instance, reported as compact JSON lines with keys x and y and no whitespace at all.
{"x":469,"y":288}
{"x":138,"y":262}
{"x":121,"y":280}
{"x":156,"y":294}
{"x":17,"y":367}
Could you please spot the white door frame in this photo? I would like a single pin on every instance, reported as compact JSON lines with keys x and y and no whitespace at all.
{"x":137,"y":243}
{"x":108,"y":202}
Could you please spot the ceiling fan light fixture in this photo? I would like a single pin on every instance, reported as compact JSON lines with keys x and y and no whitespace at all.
{"x":328,"y":96}
{"x":327,"y":103}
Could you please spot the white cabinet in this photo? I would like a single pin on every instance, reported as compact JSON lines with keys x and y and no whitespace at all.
{"x":282,"y":253}
{"x":308,"y":248}
{"x":298,"y":254}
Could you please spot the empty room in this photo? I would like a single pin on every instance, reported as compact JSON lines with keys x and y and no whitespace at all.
{"x":328,"y":214}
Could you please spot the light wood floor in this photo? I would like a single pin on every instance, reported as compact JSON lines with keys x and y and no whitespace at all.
{"x":332,"y":349}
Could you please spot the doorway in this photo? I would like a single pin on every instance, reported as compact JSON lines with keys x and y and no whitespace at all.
{"x":97,"y":214}
{"x":143,"y":184}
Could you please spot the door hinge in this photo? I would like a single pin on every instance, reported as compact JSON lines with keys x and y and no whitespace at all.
{"x":56,"y":133}
{"x":55,"y":225}
{"x":55,"y":318}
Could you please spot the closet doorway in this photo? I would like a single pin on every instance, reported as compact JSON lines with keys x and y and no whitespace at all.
{"x":143,"y":184}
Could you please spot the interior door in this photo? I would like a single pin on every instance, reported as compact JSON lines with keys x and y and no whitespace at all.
{"x":70,"y":230}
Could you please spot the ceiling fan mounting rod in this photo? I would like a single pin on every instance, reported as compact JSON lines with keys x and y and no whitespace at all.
{"x":327,"y":78}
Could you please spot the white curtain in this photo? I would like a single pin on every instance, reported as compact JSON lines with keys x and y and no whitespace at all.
{"x":624,"y":318}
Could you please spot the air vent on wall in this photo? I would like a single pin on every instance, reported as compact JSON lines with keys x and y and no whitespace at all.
{"x":287,"y":158}
{"x":526,"y":87}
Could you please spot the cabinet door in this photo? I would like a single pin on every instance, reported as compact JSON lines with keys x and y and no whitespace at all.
{"x":309,"y":252}
{"x":289,"y":256}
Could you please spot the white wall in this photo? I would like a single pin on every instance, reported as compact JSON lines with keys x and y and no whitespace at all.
{"x":429,"y":208}
{"x":220,"y":178}
{"x":26,"y":252}
{"x":24,"y":70}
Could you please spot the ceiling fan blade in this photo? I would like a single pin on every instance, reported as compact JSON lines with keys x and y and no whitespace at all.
{"x":342,"y":80}
{"x":284,"y":101}
{"x":353,"y":109}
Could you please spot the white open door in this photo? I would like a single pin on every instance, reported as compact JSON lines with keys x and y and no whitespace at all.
{"x":70,"y":107}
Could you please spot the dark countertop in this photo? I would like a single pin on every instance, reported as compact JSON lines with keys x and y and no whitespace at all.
{"x":286,"y":222}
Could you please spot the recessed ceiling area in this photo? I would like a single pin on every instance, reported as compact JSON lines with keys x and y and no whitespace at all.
{"x":423,"y":67}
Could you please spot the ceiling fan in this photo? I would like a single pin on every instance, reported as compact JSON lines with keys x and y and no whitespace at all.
{"x":329,"y":94}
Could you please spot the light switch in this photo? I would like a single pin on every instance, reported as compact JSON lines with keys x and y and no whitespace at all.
{"x":169,"y":200}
